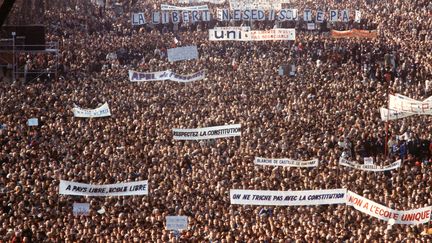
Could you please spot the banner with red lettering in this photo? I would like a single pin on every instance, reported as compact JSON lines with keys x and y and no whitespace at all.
{"x":402,"y":103}
{"x":414,"y":216}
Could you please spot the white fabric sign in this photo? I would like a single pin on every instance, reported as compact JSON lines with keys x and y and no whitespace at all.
{"x":286,"y":162}
{"x":256,"y":4}
{"x":81,"y":209}
{"x":202,"y":1}
{"x":166,"y":7}
{"x":229,"y":34}
{"x":176,"y":222}
{"x":119,"y":189}
{"x":182,"y":53}
{"x":405,"y":104}
{"x":388,"y":115}
{"x":102,"y":111}
{"x":165,"y":75}
{"x":273,"y":34}
{"x":357,"y":17}
{"x":369,"y":167}
{"x":345,"y":15}
{"x":334,"y":15}
{"x":207,"y":132}
{"x":288,"y":198}
{"x":414,"y":216}
{"x":32,"y":122}
{"x":310,"y":26}
{"x":368,"y":161}
{"x":138,"y":19}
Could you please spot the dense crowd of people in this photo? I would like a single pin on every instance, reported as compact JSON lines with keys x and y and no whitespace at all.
{"x":329,"y":108}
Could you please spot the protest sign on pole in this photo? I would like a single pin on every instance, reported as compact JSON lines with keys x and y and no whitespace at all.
{"x":33,"y":122}
{"x":176,"y":222}
{"x":81,"y":208}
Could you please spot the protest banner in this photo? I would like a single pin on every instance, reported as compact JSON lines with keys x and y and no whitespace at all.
{"x":250,"y":14}
{"x":101,"y":111}
{"x":273,"y":34}
{"x":33,"y":122}
{"x":354,"y":33}
{"x":414,"y":216}
{"x":202,"y":1}
{"x":368,"y":160}
{"x":405,"y":104}
{"x":166,"y":7}
{"x":389,"y":115}
{"x":182,"y":53}
{"x":176,"y":222}
{"x":165,"y":75}
{"x":256,"y":4}
{"x":286,"y":162}
{"x":229,"y":34}
{"x":357,"y":16}
{"x":81,"y":209}
{"x":138,"y":19}
{"x":310,"y":26}
{"x":207,"y":132}
{"x":369,"y":167}
{"x":288,"y":198}
{"x":119,"y":189}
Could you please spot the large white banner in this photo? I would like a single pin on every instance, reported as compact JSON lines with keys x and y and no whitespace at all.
{"x":101,"y":111}
{"x":286,"y":162}
{"x":388,"y":115}
{"x":406,"y":104}
{"x":202,"y":1}
{"x":182,"y":53}
{"x":288,"y":198}
{"x":414,"y":216}
{"x":229,"y":34}
{"x":80,"y":209}
{"x":166,"y":7}
{"x":245,"y":34}
{"x":165,"y":75}
{"x":369,"y":167}
{"x":273,"y":34}
{"x":207,"y":132}
{"x":256,"y":4}
{"x":119,"y":189}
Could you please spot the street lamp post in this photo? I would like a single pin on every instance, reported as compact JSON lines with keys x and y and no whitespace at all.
{"x":13,"y":56}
